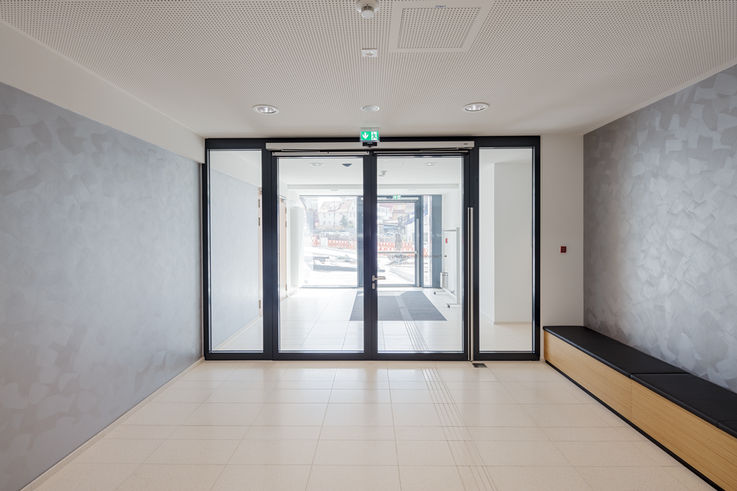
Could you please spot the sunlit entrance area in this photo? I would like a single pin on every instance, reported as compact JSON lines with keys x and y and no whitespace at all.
{"x":321,"y":254}
{"x":419,"y":239}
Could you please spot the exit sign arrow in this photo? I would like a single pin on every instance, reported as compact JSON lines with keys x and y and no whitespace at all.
{"x":368,"y":135}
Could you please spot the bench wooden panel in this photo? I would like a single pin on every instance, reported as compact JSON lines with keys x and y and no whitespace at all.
{"x":704,"y":446}
{"x":604,"y":382}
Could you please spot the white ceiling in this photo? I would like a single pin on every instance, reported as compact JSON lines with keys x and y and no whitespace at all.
{"x":543,"y":66}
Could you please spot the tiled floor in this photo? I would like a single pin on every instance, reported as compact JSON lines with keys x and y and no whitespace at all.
{"x":318,"y":319}
{"x":371,"y":426}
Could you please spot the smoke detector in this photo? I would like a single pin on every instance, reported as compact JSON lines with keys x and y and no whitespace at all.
{"x":367,"y":8}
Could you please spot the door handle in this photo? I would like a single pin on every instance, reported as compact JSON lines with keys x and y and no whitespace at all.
{"x":374,"y":279}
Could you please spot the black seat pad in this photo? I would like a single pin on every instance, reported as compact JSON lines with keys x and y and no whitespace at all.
{"x":619,"y":356}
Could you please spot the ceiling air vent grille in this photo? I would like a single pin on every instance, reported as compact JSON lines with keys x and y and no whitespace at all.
{"x":435,"y":27}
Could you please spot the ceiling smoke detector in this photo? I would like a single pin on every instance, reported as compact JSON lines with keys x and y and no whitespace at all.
{"x":367,"y":8}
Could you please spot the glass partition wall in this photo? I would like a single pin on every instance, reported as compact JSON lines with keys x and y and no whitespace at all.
{"x":236,"y":264}
{"x":371,"y":254}
{"x":506,"y":251}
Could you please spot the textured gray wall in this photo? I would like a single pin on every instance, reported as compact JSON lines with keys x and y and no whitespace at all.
{"x":233,"y":256}
{"x":99,"y":278}
{"x":660,"y":228}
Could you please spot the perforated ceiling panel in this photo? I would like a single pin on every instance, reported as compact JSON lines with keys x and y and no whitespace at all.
{"x":543,"y":66}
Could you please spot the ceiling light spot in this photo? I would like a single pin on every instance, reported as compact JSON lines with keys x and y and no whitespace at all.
{"x":265,"y":109}
{"x":370,"y":52}
{"x":370,"y":108}
{"x":367,"y":8}
{"x":429,"y":164}
{"x":315,"y":164}
{"x":475,"y":107}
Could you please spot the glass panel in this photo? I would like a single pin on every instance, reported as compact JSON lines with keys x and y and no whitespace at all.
{"x":321,"y":254}
{"x":396,"y":240}
{"x":505,"y":249}
{"x":420,"y":237}
{"x":235,"y":251}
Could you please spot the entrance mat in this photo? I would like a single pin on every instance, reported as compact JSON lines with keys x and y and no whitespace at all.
{"x":409,"y":306}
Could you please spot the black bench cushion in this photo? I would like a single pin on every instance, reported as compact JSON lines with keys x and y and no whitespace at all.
{"x":619,"y":356}
{"x":709,"y":401}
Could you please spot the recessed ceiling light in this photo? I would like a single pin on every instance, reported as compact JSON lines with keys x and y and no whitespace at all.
{"x":367,"y":8}
{"x":370,"y":52}
{"x":370,"y":108}
{"x":315,"y":164}
{"x":475,"y":107}
{"x":265,"y":109}
{"x":429,"y":164}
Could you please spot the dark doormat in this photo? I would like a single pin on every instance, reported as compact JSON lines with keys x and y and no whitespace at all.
{"x":409,"y":306}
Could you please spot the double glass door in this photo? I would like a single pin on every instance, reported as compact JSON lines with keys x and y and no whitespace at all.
{"x":363,"y":255}
{"x":361,"y":245}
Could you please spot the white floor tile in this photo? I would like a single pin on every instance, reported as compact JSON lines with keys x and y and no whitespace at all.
{"x":364,"y":452}
{"x":520,"y":453}
{"x":359,"y":415}
{"x":354,"y":478}
{"x":157,"y":477}
{"x":631,"y":479}
{"x":221,"y":414}
{"x":434,"y":453}
{"x":78,"y":476}
{"x":263,"y":477}
{"x":430,"y":478}
{"x":280,"y":452}
{"x":118,"y":451}
{"x":193,"y":452}
{"x":515,"y":478}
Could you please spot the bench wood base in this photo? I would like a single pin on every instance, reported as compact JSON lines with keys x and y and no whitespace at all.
{"x":702,"y":445}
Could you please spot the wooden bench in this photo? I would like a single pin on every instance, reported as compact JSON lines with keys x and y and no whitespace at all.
{"x":692,"y":418}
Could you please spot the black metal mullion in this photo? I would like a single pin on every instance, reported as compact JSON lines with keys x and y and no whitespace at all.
{"x":370,"y":296}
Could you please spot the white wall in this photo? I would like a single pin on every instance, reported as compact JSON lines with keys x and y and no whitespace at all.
{"x":561,"y":275}
{"x":34,"y":68}
{"x":512,"y":226}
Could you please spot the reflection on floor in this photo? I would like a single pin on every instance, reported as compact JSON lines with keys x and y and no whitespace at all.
{"x":358,"y":426}
{"x":319,"y":319}
{"x":325,"y":319}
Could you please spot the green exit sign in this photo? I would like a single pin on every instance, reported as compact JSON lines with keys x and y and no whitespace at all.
{"x":369,"y":135}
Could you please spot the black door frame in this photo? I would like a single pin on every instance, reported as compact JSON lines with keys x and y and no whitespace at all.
{"x":270,"y":203}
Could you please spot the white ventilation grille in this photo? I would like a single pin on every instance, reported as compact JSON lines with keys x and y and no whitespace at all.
{"x":542,"y":65}
{"x":428,"y":26}
{"x":433,"y":28}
